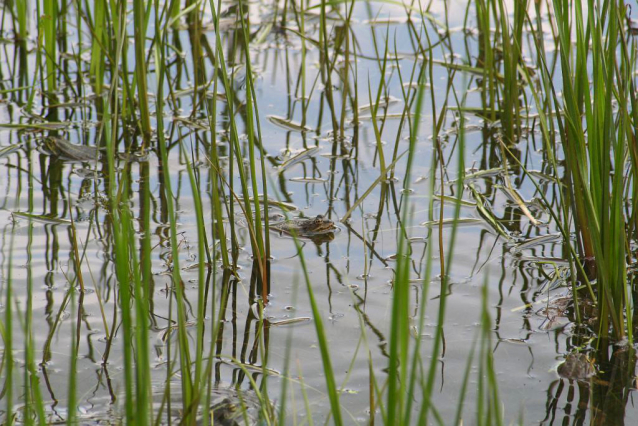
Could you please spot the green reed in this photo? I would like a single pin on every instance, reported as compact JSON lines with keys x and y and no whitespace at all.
{"x":97,"y":22}
{"x":49,"y":22}
{"x":588,"y":125}
{"x":140,"y":21}
{"x":254,"y":133}
{"x":178,"y":285}
{"x":596,"y":69}
{"x":489,"y":411}
{"x":21,"y":13}
{"x":7,"y":336}
{"x":31,"y":380}
{"x":258,"y":243}
{"x":511,"y":41}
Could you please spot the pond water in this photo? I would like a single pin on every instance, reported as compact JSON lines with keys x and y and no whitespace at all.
{"x":314,"y":172}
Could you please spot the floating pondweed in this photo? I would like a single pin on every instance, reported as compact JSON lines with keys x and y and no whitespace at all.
{"x":6,"y":150}
{"x":288,"y":124}
{"x":46,"y":219}
{"x":516,"y":198}
{"x":308,"y":180}
{"x":536,"y":241}
{"x":297,"y":157}
{"x":452,"y":200}
{"x":289,"y":321}
{"x":451,"y":221}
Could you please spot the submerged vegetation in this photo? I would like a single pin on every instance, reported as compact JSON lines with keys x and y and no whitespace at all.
{"x":234,"y":212}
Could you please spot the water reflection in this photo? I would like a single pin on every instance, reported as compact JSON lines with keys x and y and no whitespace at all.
{"x":323,"y":153}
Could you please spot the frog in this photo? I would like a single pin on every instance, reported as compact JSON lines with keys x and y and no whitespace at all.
{"x":226,"y":413}
{"x":302,"y":226}
{"x":235,"y":407}
{"x":65,"y":149}
{"x":577,"y":366}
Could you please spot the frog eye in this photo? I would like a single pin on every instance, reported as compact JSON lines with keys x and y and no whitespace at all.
{"x":319,"y":218}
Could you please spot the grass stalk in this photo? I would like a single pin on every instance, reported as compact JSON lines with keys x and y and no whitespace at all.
{"x":50,"y":20}
{"x":178,"y":285}
{"x":139,"y":32}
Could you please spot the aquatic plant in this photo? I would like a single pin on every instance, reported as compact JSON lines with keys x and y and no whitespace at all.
{"x":162,"y":116}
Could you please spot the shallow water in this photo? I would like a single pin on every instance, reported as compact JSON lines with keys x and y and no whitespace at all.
{"x":351,"y":274}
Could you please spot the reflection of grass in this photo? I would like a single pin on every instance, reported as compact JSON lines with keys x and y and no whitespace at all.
{"x":126,"y":112}
{"x":135,"y":94}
